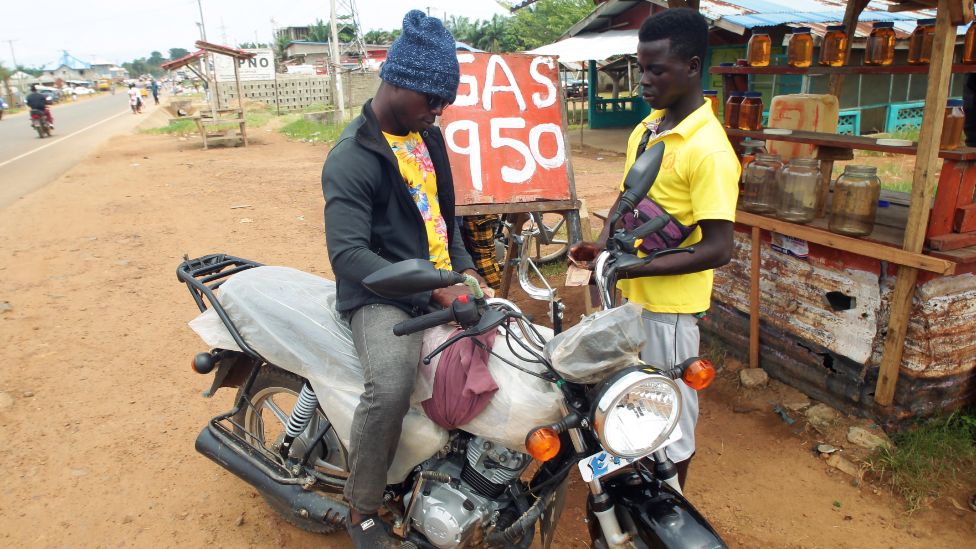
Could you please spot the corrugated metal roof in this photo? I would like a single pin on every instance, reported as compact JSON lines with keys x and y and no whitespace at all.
{"x":66,"y":60}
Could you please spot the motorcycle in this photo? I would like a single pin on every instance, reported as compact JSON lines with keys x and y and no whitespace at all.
{"x":40,"y":123}
{"x":468,"y":487}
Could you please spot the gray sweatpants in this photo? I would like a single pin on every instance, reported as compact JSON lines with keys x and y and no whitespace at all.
{"x":672,"y":338}
{"x":389,"y":369}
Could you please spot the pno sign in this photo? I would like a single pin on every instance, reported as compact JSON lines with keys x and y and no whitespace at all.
{"x":504,"y":132}
{"x":259,"y":67}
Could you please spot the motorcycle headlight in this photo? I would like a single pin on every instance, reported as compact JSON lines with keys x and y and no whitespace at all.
{"x":636,"y":412}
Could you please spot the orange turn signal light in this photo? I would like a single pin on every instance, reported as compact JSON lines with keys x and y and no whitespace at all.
{"x":543,"y":443}
{"x":699,"y":374}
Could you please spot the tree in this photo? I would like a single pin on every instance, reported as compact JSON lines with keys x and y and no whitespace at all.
{"x":318,"y":32}
{"x":545,"y":21}
{"x":493,"y":35}
{"x":176,"y":53}
{"x":156,"y":58}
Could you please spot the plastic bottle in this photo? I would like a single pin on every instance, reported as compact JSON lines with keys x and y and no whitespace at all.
{"x":750,"y":112}
{"x":712,"y":97}
{"x":759,"y":188}
{"x":798,"y":193}
{"x":759,"y":49}
{"x":880,"y":46}
{"x":855,"y":201}
{"x":799,"y":52}
{"x":833,"y":48}
{"x":732,"y":109}
{"x":920,"y":43}
{"x":952,"y":125}
{"x":969,"y":47}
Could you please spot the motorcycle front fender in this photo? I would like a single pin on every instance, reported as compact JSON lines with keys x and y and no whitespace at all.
{"x":657,"y":515}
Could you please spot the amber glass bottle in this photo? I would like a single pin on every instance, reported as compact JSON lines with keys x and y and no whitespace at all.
{"x":833,"y":49}
{"x":750,"y":112}
{"x":732,"y":109}
{"x":712,"y":97}
{"x":760,"y":49}
{"x":952,"y":125}
{"x":799,"y":52}
{"x":969,"y":49}
{"x":920,"y":43}
{"x":880,"y":47}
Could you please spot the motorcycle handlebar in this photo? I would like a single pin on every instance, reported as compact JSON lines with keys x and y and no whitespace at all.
{"x":424,"y":322}
{"x":651,"y":226}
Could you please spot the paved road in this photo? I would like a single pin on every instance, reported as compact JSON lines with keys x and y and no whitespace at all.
{"x":28,"y":162}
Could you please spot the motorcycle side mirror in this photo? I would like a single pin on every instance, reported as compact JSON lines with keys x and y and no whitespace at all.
{"x":409,"y":277}
{"x":639,"y":179}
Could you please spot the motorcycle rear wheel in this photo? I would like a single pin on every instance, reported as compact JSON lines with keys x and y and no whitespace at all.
{"x":273,"y":396}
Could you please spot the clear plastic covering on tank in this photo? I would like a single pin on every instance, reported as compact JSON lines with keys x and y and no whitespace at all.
{"x":289,"y":317}
{"x":601,"y":344}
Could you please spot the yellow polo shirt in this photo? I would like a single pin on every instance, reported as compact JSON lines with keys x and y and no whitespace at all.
{"x":699,"y":179}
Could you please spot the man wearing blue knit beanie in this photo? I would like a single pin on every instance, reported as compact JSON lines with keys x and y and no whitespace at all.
{"x":389,"y":196}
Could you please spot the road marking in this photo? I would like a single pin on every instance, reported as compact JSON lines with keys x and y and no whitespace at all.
{"x":42,"y":147}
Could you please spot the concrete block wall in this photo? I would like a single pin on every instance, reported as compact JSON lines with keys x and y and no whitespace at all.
{"x":298,"y":92}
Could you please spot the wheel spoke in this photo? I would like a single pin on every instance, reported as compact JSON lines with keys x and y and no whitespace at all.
{"x":269,"y":404}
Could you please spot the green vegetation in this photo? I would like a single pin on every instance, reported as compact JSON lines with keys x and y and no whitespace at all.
{"x":311,"y":130}
{"x":175,"y":127}
{"x":928,"y":458}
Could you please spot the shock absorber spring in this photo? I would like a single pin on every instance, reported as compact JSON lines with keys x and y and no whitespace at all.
{"x":300,"y":417}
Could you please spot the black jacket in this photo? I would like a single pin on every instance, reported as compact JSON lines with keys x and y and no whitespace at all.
{"x":371,"y":219}
{"x":36,"y":101}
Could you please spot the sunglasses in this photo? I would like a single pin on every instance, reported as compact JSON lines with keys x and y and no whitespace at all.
{"x":436,"y":102}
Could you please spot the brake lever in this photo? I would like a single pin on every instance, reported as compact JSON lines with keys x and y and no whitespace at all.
{"x":490,"y":319}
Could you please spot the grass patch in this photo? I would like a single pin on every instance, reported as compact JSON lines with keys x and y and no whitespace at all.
{"x":928,"y":458}
{"x":311,"y":130}
{"x":175,"y":127}
{"x":258,"y":117}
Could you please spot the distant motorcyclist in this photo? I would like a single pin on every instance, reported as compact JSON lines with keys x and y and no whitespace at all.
{"x":38,"y":102}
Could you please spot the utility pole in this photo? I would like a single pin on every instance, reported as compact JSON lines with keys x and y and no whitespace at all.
{"x":203,"y":28}
{"x":20,"y":87}
{"x":336,"y":65}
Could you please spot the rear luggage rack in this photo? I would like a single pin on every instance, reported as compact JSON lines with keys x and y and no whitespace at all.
{"x":205,"y":274}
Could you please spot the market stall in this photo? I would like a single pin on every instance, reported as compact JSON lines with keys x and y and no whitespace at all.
{"x":878,"y":323}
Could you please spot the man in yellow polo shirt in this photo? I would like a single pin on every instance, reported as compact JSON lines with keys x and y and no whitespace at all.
{"x":697,"y":184}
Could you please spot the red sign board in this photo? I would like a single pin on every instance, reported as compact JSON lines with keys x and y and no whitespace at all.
{"x":504,"y":132}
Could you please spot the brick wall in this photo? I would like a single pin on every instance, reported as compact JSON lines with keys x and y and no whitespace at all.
{"x":298,"y":92}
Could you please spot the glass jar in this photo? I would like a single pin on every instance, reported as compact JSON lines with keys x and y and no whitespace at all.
{"x":880,"y":46}
{"x":750,"y":148}
{"x":759,"y":49}
{"x":920,"y":43}
{"x":712,"y":97}
{"x":799,"y":52}
{"x":952,"y":125}
{"x":759,"y":188}
{"x":732,"y":109}
{"x":969,"y":46}
{"x":797,"y":197}
{"x":833,"y":48}
{"x":855,"y":201}
{"x":750,"y":112}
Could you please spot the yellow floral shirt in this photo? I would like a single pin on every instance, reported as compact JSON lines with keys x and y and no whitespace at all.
{"x":418,"y":173}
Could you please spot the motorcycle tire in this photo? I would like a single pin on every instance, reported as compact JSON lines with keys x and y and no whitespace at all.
{"x":273,"y":381}
{"x":40,"y":132}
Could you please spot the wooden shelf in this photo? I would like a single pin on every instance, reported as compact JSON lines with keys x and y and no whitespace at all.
{"x":836,"y":141}
{"x":817,"y":70}
{"x":868,"y":248}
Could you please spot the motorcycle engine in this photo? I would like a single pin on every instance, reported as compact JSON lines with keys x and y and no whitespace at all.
{"x":447,"y":514}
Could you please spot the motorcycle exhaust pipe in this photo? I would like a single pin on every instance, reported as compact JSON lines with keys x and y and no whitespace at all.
{"x":257,"y":471}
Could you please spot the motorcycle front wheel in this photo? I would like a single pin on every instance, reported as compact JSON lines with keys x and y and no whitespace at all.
{"x":273,"y":396}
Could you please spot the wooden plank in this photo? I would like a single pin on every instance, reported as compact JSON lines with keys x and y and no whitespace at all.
{"x":923,"y":187}
{"x":754,"y":299}
{"x":950,"y":181}
{"x":952,"y":241}
{"x":845,"y":70}
{"x":855,"y":142}
{"x":858,"y":246}
{"x":965,"y":220}
{"x":517,"y":207}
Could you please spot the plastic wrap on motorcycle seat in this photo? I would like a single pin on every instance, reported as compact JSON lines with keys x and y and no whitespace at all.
{"x":522,"y":402}
{"x":601,"y":344}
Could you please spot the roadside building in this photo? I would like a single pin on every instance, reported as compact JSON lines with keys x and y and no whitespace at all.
{"x":67,"y":67}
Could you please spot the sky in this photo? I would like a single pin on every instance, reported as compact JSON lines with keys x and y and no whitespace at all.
{"x":119,"y":31}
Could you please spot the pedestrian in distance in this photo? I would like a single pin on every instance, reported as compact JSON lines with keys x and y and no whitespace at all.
{"x":698,"y":185}
{"x":155,"y":91}
{"x":135,"y":102}
{"x":389,"y":196}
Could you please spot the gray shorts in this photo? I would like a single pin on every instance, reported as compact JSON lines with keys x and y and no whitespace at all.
{"x":672,"y":338}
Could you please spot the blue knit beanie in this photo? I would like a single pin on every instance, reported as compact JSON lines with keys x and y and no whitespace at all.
{"x":423,"y":58}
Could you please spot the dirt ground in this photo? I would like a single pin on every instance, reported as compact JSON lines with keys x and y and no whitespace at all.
{"x":99,"y":409}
